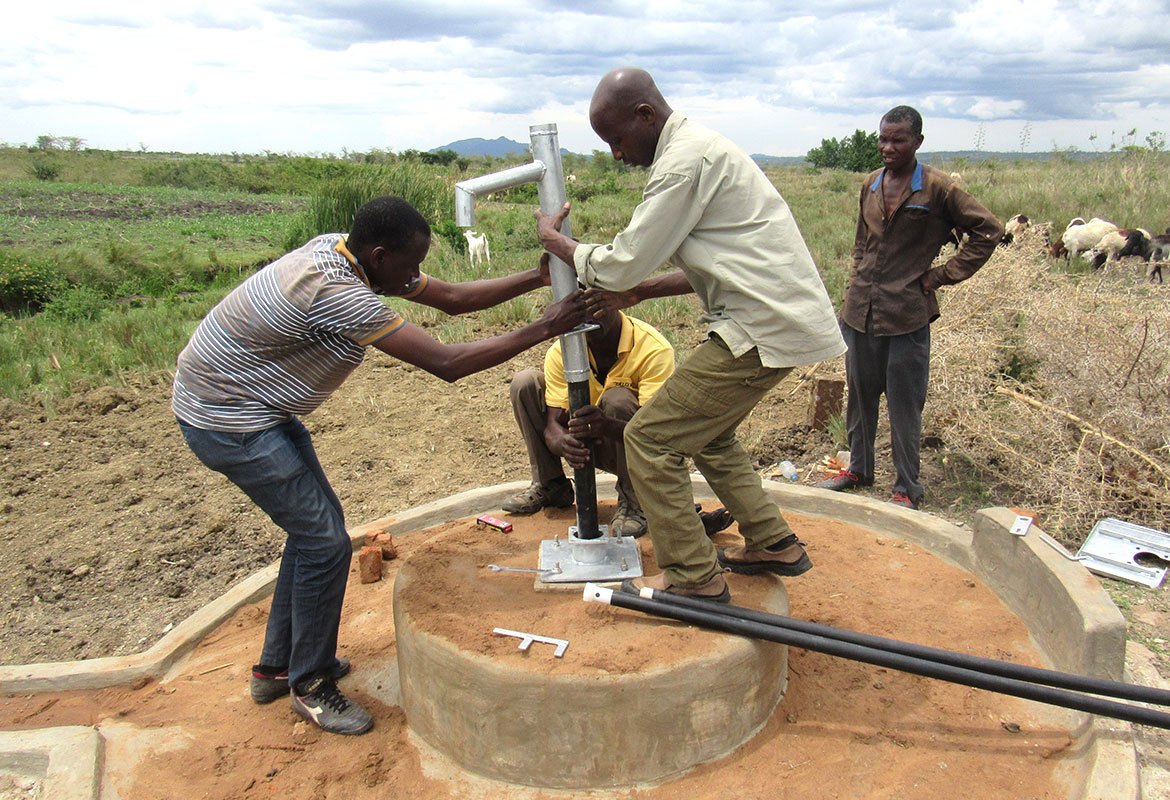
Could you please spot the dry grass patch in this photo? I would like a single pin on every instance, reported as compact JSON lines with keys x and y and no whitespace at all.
{"x":1054,"y":388}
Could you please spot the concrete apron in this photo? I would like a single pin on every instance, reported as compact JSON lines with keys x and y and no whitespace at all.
{"x":1068,"y":614}
{"x":582,"y":730}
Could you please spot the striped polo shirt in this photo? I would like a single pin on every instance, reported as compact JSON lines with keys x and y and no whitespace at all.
{"x":282,"y":341}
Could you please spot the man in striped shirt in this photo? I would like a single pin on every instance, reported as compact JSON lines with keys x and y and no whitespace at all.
{"x":275,"y":348}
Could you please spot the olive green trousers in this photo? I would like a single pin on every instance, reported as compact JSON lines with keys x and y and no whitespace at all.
{"x":695,"y":416}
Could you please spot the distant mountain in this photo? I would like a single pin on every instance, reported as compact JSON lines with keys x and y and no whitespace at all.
{"x":486,"y":147}
{"x":496,"y":148}
{"x":777,"y":161}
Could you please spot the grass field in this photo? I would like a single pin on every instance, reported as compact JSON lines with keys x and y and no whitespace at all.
{"x":121,"y":253}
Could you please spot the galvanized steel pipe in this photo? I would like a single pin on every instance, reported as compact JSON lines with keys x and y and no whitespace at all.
{"x":547,"y":172}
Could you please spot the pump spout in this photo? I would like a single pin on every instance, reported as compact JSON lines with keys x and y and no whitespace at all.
{"x":465,"y":191}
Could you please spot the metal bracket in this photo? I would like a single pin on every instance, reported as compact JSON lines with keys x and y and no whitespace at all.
{"x":526,"y":640}
{"x":575,"y":560}
{"x":1020,"y":526}
{"x":1113,"y":547}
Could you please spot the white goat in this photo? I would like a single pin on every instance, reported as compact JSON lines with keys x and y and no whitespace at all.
{"x":1113,"y":245}
{"x":477,"y":247}
{"x":1078,"y":238}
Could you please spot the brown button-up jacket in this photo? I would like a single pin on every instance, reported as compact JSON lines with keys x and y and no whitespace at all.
{"x":892,"y":256}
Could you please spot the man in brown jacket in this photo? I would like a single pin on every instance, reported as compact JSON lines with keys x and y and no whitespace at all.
{"x":907,"y":211}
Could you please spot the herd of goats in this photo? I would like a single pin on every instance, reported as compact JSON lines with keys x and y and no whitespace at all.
{"x":1100,"y":242}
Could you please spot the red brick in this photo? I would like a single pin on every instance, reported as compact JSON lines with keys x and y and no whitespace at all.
{"x":827,"y":397}
{"x":370,"y":564}
{"x":385,"y":541}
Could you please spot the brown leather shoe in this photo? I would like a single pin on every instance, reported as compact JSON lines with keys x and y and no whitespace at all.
{"x":714,"y":589}
{"x":791,"y":561}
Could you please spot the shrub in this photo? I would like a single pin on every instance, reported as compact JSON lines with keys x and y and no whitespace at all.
{"x":26,"y":285}
{"x":45,"y":170}
{"x":333,"y":206}
{"x":198,"y":172}
{"x":76,"y":304}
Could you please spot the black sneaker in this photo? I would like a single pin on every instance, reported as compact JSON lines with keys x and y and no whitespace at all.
{"x":322,"y":703}
{"x":272,"y":684}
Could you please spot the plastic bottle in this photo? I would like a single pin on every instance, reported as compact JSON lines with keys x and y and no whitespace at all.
{"x":788,"y":470}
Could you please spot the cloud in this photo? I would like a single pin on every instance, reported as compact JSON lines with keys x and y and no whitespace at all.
{"x":320,"y":75}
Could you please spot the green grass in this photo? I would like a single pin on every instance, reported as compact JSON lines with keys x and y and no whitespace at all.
{"x":63,"y":220}
{"x":138,"y":264}
{"x":44,"y":358}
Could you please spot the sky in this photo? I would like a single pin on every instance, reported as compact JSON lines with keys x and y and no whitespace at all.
{"x":329,"y":76}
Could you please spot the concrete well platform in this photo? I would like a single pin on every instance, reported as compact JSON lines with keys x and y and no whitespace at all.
{"x":1068,"y":616}
{"x":529,"y":717}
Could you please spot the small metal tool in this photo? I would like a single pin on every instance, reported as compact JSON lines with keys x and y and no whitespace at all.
{"x":526,"y":640}
{"x":1020,"y":526}
{"x":498,"y":568}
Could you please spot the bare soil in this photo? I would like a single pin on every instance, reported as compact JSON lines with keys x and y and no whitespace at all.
{"x":111,"y":532}
{"x":843,"y":729}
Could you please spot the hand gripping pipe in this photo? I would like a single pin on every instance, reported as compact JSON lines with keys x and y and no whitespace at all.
{"x":548,"y":173}
{"x":717,"y":616}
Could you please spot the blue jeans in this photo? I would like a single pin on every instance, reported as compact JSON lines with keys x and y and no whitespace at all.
{"x":278,"y":469}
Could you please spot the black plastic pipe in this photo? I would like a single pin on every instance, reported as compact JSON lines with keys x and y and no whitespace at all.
{"x":917,"y":666}
{"x":585,"y":478}
{"x":1046,"y":677}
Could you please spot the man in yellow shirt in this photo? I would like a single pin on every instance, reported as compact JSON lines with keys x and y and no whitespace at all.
{"x":629,"y":361}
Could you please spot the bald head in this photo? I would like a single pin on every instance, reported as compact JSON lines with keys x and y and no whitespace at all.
{"x":629,"y":113}
{"x":625,"y":89}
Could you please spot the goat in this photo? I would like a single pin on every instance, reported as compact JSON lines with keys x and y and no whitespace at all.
{"x":1118,"y":243}
{"x":1017,"y":224}
{"x":1139,"y":243}
{"x":957,"y":179}
{"x":571,"y":178}
{"x":1057,"y":249}
{"x":1079,"y":238}
{"x":1159,"y":250}
{"x":477,"y":247}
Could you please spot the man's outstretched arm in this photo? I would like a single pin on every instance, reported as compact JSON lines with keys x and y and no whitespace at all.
{"x":464,"y":297}
{"x":451,"y":362}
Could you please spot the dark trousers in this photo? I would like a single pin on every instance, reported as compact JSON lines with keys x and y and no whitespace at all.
{"x":899,"y":367}
{"x":278,"y":469}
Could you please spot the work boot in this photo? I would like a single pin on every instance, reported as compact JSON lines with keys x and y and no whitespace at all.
{"x":715,"y":589}
{"x":789,"y":560}
{"x":271,"y":683}
{"x":320,"y":701}
{"x":629,"y":519}
{"x":556,"y":493}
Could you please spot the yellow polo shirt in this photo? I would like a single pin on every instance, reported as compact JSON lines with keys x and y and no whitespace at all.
{"x":644,"y":361}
